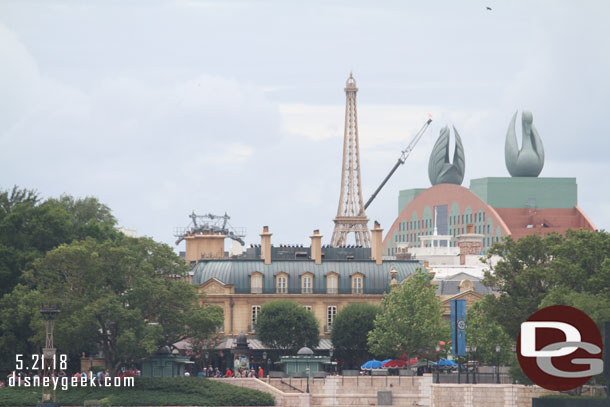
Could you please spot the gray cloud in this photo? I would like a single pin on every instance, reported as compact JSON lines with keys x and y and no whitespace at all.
{"x":159,"y":108}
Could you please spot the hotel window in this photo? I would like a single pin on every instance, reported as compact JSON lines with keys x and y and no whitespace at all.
{"x":256,"y":309}
{"x":330,"y":317}
{"x":308,"y":308}
{"x":357,"y":285}
{"x":281,"y":284}
{"x":256,"y":284}
{"x":332,"y":286}
{"x":306,"y":284}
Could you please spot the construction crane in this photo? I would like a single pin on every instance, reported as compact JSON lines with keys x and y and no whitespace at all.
{"x":401,"y":160}
{"x":212,"y":224}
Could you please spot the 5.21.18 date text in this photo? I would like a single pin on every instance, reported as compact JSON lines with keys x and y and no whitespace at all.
{"x":39,"y":362}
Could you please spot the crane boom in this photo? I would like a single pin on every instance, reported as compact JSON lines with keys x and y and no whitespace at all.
{"x":401,"y":160}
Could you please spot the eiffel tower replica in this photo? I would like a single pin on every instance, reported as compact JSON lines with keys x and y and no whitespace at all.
{"x":350,"y":214}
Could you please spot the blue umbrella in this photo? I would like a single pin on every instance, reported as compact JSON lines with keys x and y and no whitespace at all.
{"x":385,"y":361}
{"x":447,"y":363}
{"x":371,"y":364}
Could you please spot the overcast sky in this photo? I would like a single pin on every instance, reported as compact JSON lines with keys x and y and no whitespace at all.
{"x":159,"y":108}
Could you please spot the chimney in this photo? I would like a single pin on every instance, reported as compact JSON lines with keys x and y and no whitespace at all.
{"x":469,"y":243}
{"x":376,"y":243}
{"x":266,"y":245}
{"x":316,"y":246}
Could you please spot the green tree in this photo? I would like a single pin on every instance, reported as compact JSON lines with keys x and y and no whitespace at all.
{"x":536,"y":271}
{"x":21,"y":326}
{"x":29,"y":228}
{"x":121,"y":296}
{"x":286,"y":325}
{"x":521,"y":277}
{"x":410,"y":319}
{"x":485,"y":333}
{"x":350,"y":332}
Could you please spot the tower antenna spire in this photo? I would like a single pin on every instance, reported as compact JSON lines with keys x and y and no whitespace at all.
{"x":350,"y":214}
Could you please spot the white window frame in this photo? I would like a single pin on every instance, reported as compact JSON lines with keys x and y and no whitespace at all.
{"x":329,"y":287}
{"x":357,"y":285}
{"x":308,"y":308}
{"x":331,"y":313}
{"x":256,"y":284}
{"x":281,"y":284}
{"x":255,"y":310}
{"x":307,"y":284}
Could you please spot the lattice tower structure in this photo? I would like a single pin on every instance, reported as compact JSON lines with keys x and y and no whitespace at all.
{"x":351,"y":217}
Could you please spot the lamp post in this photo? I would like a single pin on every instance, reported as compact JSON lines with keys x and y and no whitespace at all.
{"x":49,"y":314}
{"x":207,"y":355}
{"x":330,"y":353}
{"x":467,"y":358}
{"x":497,"y":364}
{"x":265,"y":362}
{"x":307,"y":373}
{"x":474,"y":371}
{"x":438,"y":373}
{"x":459,"y":370}
{"x":514,"y":351}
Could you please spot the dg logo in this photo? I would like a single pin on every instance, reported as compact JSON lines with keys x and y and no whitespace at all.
{"x":560,"y":348}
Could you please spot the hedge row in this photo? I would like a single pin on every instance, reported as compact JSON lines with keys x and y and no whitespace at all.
{"x":149,"y":391}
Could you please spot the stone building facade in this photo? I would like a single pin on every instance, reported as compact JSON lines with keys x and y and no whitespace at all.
{"x":321,"y":279}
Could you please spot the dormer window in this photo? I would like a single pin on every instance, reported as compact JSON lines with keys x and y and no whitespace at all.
{"x":357,"y":284}
{"x":281,"y":283}
{"x":256,"y":283}
{"x":307,"y":283}
{"x":332,"y":284}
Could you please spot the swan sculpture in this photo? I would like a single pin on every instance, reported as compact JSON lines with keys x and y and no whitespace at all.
{"x":440,"y":169}
{"x":528,"y":161}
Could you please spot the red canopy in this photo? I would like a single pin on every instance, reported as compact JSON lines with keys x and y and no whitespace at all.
{"x":399,"y":363}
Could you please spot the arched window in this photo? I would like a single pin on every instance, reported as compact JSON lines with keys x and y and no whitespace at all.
{"x":357,"y":286}
{"x":332,"y":284}
{"x":281,"y":284}
{"x":256,"y":283}
{"x":307,"y":283}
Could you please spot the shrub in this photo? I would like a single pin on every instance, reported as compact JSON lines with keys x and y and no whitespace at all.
{"x":150,"y":391}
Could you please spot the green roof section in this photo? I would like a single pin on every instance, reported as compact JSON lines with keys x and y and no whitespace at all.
{"x":406,"y":196}
{"x":526,"y":192}
{"x":237,"y":273}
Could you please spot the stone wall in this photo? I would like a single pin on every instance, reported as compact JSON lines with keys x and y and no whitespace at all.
{"x":406,"y":391}
{"x":483,"y":395}
{"x":282,"y":399}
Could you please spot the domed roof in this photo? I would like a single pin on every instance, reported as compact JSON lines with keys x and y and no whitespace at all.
{"x":241,"y":342}
{"x":305,"y":351}
{"x":165,"y":350}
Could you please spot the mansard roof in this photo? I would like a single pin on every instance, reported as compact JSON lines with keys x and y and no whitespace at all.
{"x":237,"y":273}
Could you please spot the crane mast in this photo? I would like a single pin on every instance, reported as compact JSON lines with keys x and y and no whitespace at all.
{"x":401,"y":160}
